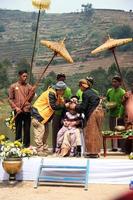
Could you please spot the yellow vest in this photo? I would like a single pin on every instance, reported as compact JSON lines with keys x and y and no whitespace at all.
{"x":43,"y":107}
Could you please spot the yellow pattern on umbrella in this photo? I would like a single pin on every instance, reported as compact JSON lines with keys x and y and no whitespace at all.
{"x":59,"y":48}
{"x":41,"y":4}
{"x":111,"y":43}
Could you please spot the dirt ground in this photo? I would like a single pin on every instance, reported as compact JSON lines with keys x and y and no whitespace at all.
{"x":26,"y":191}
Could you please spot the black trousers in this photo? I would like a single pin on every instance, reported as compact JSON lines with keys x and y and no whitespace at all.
{"x":23,"y":122}
{"x":56,"y":125}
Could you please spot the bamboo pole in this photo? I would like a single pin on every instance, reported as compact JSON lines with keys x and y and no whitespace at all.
{"x":34,"y":46}
{"x":118,"y":67}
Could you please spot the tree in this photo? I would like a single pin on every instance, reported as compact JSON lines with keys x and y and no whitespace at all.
{"x":121,"y":31}
{"x":24,"y":64}
{"x":47,"y":81}
{"x":112,"y":70}
{"x":129,"y":76}
{"x":2,"y":28}
{"x":4,"y":81}
{"x":33,"y":27}
{"x":100,"y":75}
{"x":87,"y":9}
{"x":6,"y":63}
{"x":124,"y":31}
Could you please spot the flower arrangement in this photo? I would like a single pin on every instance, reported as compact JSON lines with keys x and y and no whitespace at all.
{"x":15,"y":149}
{"x":131,"y":156}
{"x":10,"y":123}
{"x":2,"y":138}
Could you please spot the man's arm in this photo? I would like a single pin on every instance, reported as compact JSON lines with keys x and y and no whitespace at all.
{"x":31,"y":93}
{"x":53,"y":102}
{"x":11,"y":98}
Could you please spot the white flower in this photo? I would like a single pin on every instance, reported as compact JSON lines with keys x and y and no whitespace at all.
{"x":14,"y":150}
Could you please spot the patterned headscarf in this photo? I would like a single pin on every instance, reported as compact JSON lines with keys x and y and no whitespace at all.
{"x":84,"y":83}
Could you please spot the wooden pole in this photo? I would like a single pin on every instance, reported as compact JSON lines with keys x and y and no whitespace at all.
{"x":34,"y":46}
{"x":38,"y":81}
{"x":36,"y":84}
{"x":118,"y":67}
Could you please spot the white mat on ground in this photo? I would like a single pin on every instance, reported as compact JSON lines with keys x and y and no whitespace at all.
{"x":109,"y":171}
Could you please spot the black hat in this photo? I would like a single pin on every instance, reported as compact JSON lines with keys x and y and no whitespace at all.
{"x":90,"y":79}
{"x":61,"y":75}
{"x":117,"y":78}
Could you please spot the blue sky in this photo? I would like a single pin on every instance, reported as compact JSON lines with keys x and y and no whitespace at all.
{"x":59,"y":6}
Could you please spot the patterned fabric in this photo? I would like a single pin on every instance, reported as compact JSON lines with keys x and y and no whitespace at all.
{"x":92,"y":132}
{"x":70,"y":141}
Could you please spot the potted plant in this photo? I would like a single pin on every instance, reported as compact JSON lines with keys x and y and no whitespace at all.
{"x":12,"y":154}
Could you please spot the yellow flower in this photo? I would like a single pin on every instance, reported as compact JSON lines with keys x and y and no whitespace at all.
{"x":26,"y":152}
{"x":18,"y":144}
{"x":2,"y":138}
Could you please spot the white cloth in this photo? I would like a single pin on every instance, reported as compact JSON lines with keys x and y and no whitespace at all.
{"x":109,"y":171}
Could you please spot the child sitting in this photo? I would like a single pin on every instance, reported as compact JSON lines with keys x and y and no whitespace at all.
{"x":68,"y":137}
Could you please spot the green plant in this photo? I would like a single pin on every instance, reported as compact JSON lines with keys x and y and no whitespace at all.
{"x":125,"y":134}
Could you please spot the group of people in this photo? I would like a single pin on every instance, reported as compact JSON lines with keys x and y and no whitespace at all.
{"x":72,"y":116}
{"x":121,"y":113}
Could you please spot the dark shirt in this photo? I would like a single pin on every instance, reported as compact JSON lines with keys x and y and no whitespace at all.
{"x":90,"y":101}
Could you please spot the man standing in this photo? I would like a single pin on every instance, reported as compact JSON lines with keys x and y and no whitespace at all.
{"x":115,"y":95}
{"x":80,"y":92}
{"x":18,"y":93}
{"x":56,"y":123}
{"x":43,"y":110}
{"x":94,"y":115}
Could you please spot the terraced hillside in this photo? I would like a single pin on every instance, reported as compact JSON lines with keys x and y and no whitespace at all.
{"x":83,"y":35}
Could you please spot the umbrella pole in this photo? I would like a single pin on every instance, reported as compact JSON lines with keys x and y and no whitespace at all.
{"x":38,"y":81}
{"x":34,"y":47}
{"x":118,"y":67}
{"x":36,"y":85}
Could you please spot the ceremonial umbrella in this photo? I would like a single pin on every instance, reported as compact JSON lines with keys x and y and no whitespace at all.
{"x":111,"y":44}
{"x":41,"y":5}
{"x":59,"y":49}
